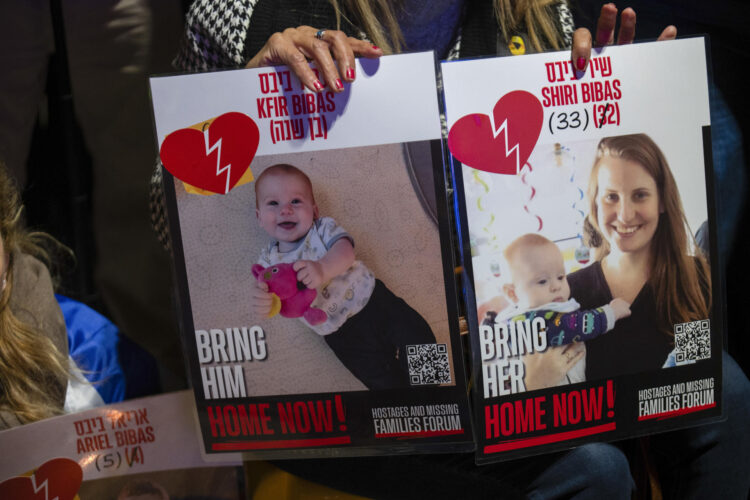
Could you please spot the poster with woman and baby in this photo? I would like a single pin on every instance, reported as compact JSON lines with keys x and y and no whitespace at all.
{"x":314,"y":260}
{"x":587,"y":233}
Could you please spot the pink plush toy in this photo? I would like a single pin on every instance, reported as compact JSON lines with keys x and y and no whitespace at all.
{"x":295,"y":297}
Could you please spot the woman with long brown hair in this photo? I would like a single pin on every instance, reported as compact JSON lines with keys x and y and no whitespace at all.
{"x":644,"y":253}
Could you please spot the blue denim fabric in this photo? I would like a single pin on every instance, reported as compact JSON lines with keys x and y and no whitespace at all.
{"x":729,"y":171}
{"x":710,"y":461}
{"x":592,"y":471}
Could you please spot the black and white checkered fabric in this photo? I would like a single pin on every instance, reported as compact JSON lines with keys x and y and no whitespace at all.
{"x":215,"y":35}
{"x":157,"y":205}
{"x":567,"y":26}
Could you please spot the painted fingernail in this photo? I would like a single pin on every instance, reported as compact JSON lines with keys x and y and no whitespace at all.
{"x":318,"y":85}
{"x":338,"y":83}
{"x":604,"y":37}
{"x":581,"y":63}
{"x":350,"y":73}
{"x":376,"y":47}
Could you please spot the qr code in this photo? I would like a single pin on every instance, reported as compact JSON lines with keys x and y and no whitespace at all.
{"x":428,"y":364}
{"x":692,"y":341}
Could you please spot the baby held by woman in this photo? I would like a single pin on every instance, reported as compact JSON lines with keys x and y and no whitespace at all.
{"x":543,"y":315}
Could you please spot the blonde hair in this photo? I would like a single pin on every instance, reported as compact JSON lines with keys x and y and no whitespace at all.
{"x":30,"y":364}
{"x":535,"y":15}
{"x":681,"y":282}
{"x":378,"y":19}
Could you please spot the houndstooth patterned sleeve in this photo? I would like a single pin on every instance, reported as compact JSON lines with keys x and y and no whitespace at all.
{"x":215,"y":34}
{"x":567,"y":26}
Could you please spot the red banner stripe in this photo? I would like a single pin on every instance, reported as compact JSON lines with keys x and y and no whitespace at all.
{"x":550,"y":438}
{"x":289,"y":443}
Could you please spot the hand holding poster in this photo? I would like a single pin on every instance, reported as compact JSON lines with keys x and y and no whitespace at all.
{"x":580,"y":193}
{"x":316,"y":287}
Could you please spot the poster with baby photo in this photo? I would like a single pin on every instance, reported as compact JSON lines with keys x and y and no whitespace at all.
{"x":314,"y":261}
{"x":587,"y":233}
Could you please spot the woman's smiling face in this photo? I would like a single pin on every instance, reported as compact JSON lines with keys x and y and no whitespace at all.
{"x":628,"y":205}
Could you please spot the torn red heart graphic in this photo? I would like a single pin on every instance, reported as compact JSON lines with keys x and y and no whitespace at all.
{"x":500,"y":144}
{"x":213,"y":159}
{"x":57,"y":478}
